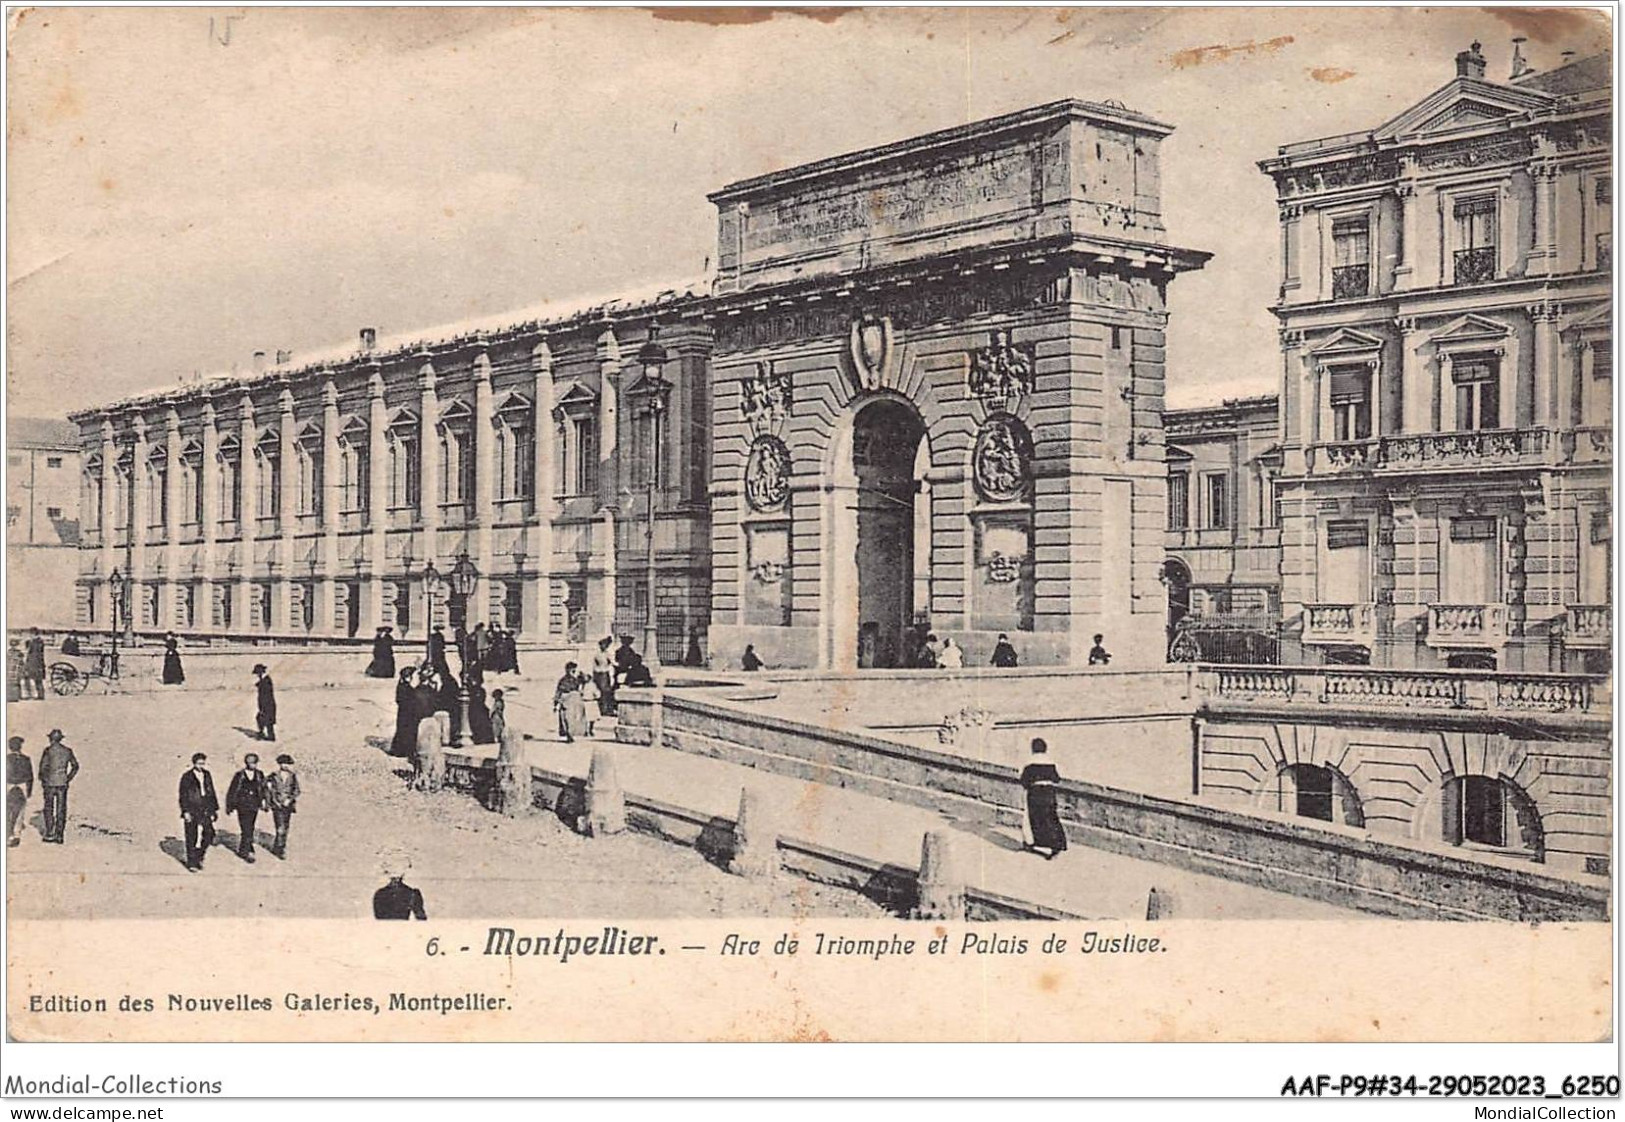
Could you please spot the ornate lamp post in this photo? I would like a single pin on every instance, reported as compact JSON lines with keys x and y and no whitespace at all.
{"x":118,"y":588}
{"x":463,"y":577}
{"x":431,"y":584}
{"x":655,"y":389}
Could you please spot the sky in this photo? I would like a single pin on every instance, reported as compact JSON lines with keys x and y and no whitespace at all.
{"x":188,"y":186}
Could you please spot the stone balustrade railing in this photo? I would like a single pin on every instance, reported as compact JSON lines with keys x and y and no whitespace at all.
{"x":1474,"y":448}
{"x":1344,"y":455}
{"x":1339,"y":623}
{"x":1593,"y":444}
{"x":1467,"y":625}
{"x":1589,"y":625}
{"x":1382,"y":690}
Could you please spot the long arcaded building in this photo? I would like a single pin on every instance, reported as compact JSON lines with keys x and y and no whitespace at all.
{"x":923,"y":385}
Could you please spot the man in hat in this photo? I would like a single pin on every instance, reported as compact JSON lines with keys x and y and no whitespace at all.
{"x":34,"y":663}
{"x":57,"y":767}
{"x":19,"y":786}
{"x":282,"y":788}
{"x":265,"y":715}
{"x":248,"y":794}
{"x":199,"y":805}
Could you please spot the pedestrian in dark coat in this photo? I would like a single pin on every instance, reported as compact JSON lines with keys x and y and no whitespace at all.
{"x":398,"y":900}
{"x":199,"y":806}
{"x":1040,"y":780}
{"x":1098,"y":654}
{"x":248,"y":794}
{"x":34,"y":664}
{"x":407,"y":716}
{"x":282,"y":794}
{"x":19,"y":787}
{"x":752,"y":661}
{"x":57,"y":767}
{"x":174,"y":675}
{"x":436,"y":656}
{"x":383,"y":655}
{"x":265,"y":713}
{"x":479,"y":715}
{"x":1004,"y":655}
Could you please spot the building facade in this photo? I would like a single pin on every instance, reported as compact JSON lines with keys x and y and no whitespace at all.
{"x":924,"y":387}
{"x":312,"y":500}
{"x":1446,"y":386}
{"x":42,"y":518}
{"x":1223,"y":567}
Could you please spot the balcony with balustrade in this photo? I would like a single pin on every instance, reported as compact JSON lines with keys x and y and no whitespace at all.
{"x":1343,"y":455}
{"x":1383,"y":691}
{"x":1469,"y":450}
{"x":1589,"y":627}
{"x":1339,"y":625}
{"x":1466,"y":626}
{"x":1475,"y":266}
{"x":1351,"y":282}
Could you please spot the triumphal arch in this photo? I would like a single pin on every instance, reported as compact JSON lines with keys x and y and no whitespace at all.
{"x":937,"y":396}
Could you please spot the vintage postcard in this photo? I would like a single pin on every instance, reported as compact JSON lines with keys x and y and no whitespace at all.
{"x":864,"y":524}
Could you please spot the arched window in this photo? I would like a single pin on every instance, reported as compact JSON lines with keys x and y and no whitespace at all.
{"x":515,"y":434}
{"x":156,"y":480}
{"x":308,"y":482}
{"x":124,"y":494}
{"x":405,"y":485}
{"x":267,"y":474}
{"x":192,"y":484}
{"x":456,"y":454}
{"x":1321,"y":793}
{"x":353,"y":466}
{"x":91,"y":504}
{"x":228,"y":465}
{"x":1482,"y":810}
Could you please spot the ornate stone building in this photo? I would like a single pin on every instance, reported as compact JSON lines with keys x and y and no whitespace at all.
{"x":1223,"y":570}
{"x":309,"y":499}
{"x":1447,"y":377}
{"x":924,"y":387}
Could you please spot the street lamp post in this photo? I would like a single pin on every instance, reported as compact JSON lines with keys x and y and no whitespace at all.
{"x":463,"y":577}
{"x":653,"y":358}
{"x":431,"y":582}
{"x":118,"y":591}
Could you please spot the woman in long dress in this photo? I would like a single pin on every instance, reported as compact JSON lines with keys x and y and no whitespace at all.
{"x":174,"y":675}
{"x":408,"y":712}
{"x":567,"y":700}
{"x":383,"y":655}
{"x":1040,"y":780}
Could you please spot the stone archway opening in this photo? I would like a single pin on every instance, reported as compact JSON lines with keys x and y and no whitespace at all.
{"x":887,"y":440}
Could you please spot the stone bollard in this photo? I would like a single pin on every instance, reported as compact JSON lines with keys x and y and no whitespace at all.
{"x":1160,"y":904}
{"x":606,"y":804}
{"x":942,"y":889}
{"x":756,"y":843}
{"x":430,"y":759}
{"x":513,"y":777}
{"x":442,"y":720}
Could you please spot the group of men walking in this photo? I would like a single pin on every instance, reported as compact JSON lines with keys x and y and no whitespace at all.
{"x":57,"y":768}
{"x":251,"y":791}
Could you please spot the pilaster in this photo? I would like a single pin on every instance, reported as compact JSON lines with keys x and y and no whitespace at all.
{"x":327,"y":588}
{"x":373,"y":610}
{"x":537,"y":616}
{"x":484,"y":434}
{"x":286,"y":515}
